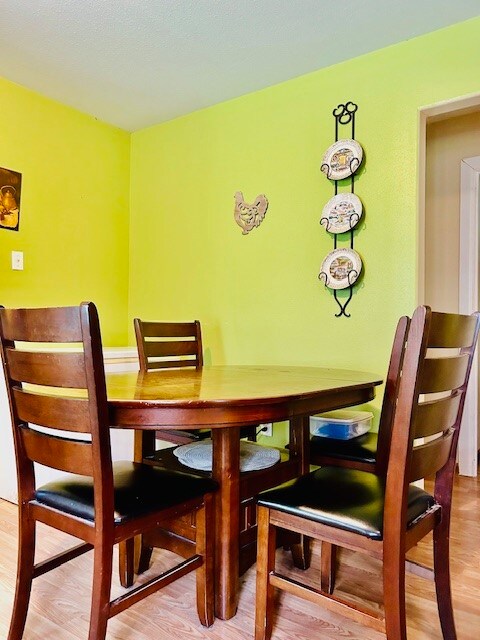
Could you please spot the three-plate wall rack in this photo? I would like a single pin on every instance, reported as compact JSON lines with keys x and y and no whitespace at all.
{"x":341,"y":267}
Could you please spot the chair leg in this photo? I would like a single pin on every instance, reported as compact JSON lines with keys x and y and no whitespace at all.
{"x":144,"y":558}
{"x":441,"y":563}
{"x":26,"y":559}
{"x":126,"y":561}
{"x":394,"y":590}
{"x":205,"y":574}
{"x":302,"y":553}
{"x":328,"y":568}
{"x":266,"y":537}
{"x":102,"y":578}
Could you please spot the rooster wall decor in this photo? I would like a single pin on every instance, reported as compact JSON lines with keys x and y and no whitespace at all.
{"x":248,"y":216}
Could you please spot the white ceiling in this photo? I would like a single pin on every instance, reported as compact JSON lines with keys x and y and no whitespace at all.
{"x":135,"y":63}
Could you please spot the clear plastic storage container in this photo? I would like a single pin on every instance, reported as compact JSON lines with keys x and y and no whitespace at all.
{"x":342,"y":424}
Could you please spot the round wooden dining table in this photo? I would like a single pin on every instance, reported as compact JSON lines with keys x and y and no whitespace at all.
{"x":225,"y":398}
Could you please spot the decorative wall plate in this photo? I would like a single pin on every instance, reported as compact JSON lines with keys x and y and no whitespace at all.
{"x":341,"y":213}
{"x":342,"y":159}
{"x":341,"y":268}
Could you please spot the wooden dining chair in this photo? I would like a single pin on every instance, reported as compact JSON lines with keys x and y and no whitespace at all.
{"x":368,"y":452}
{"x":167,"y":345}
{"x":383,"y":514}
{"x":59,"y":413}
{"x":163,"y":345}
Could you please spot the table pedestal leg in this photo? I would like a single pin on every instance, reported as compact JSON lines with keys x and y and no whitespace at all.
{"x":226,"y":471}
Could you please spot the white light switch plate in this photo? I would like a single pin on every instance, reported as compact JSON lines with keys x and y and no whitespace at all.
{"x":17,"y":260}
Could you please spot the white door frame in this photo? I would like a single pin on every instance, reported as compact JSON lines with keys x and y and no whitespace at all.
{"x":468,"y":302}
{"x":468,"y":445}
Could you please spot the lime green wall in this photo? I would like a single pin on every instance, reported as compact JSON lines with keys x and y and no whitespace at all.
{"x":74,"y":224}
{"x":258,"y":296}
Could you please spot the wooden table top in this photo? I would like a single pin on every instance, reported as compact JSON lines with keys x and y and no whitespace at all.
{"x":231,"y":383}
{"x":249,"y":387}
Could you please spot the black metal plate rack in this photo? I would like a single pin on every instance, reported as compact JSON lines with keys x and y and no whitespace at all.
{"x":344,"y":114}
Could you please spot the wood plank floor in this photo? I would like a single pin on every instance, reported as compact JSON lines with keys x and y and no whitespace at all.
{"x":59,"y":608}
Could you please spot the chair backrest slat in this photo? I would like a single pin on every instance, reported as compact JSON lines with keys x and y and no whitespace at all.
{"x":51,"y":369}
{"x":443,"y":374}
{"x":31,"y":325}
{"x":74,"y":456}
{"x":451,"y":331}
{"x":67,"y":414}
{"x":431,"y":456}
{"x":437,"y":415}
{"x":164,"y":349}
{"x":169,"y":329}
{"x":169,"y":364}
{"x":165,"y":345}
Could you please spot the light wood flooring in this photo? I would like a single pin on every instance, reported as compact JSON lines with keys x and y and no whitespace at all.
{"x":59,"y":607}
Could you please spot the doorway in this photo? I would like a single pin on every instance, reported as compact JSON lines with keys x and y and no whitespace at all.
{"x":448,"y":281}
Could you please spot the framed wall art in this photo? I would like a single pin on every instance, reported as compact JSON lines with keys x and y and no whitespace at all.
{"x":10,"y":193}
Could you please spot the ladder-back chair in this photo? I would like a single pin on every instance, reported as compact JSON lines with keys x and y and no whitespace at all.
{"x":163,"y":345}
{"x":167,"y":345}
{"x":383,"y":514}
{"x":59,"y":412}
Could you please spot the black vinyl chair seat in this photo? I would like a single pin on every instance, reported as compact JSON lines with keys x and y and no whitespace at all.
{"x":138,"y":490}
{"x":360,"y":449}
{"x":344,"y":498}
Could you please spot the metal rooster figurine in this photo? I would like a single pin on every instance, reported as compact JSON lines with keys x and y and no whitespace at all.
{"x":248,"y":216}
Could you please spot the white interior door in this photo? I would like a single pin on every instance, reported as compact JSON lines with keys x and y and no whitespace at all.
{"x":468,"y":302}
